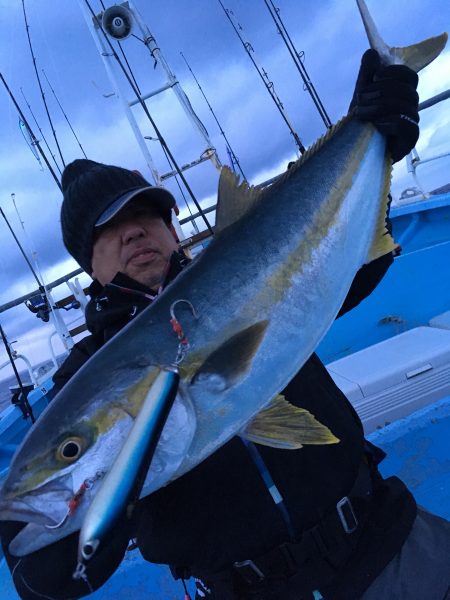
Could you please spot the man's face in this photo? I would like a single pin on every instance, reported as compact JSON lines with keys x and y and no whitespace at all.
{"x":136,"y":242}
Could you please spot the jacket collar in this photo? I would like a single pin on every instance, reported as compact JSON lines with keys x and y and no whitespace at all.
{"x":112,"y":306}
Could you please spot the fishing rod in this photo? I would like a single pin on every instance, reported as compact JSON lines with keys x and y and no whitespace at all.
{"x":25,"y":405}
{"x":40,"y":131}
{"x":40,"y":85}
{"x":180,"y":189}
{"x":33,"y":137}
{"x":233,"y":155}
{"x":297,"y":58}
{"x":27,"y":410}
{"x":65,"y":116}
{"x":149,"y":117}
{"x":264,"y":77}
{"x":41,"y":287}
{"x":42,"y":304}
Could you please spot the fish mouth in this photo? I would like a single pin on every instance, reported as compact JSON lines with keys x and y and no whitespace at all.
{"x":48,"y":505}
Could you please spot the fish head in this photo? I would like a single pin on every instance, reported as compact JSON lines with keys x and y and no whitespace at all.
{"x":57,"y":466}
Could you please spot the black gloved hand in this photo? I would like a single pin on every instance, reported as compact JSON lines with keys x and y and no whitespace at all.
{"x":387,"y":96}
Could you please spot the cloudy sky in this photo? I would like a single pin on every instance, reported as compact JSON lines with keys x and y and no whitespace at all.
{"x":329,"y":32}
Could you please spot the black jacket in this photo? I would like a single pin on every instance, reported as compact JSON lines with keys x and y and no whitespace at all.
{"x":221,"y":511}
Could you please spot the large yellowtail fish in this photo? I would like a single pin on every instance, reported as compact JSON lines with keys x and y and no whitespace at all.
{"x":265,"y":291}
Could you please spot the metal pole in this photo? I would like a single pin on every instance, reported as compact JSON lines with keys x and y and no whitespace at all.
{"x":147,"y":113}
{"x":173,"y":82}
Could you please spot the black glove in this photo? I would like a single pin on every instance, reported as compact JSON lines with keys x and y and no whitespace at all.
{"x":387,"y":96}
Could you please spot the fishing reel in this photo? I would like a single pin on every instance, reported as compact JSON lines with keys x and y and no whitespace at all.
{"x":39,"y":306}
{"x":118,"y":21}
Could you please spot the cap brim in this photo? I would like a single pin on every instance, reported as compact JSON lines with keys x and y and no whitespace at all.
{"x":162,"y":198}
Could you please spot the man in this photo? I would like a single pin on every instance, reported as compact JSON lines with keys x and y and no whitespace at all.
{"x":341,"y":532}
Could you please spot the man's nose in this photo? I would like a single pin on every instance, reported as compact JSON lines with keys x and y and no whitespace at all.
{"x":132,"y":232}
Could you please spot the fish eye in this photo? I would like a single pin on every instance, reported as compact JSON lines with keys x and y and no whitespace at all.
{"x":70,"y":449}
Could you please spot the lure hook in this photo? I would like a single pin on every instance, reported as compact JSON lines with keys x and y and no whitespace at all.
{"x":183,"y":343}
{"x":172,"y":308}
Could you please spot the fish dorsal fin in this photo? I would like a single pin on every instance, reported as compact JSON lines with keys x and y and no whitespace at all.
{"x":232,"y":359}
{"x":416,"y":57}
{"x":234,"y":199}
{"x":382,"y":242}
{"x":283,"y":425}
{"x":310,"y":152}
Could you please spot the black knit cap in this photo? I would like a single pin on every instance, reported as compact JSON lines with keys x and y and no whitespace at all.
{"x":93,"y":194}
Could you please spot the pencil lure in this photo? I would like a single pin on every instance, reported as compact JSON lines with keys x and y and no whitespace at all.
{"x":122,"y":485}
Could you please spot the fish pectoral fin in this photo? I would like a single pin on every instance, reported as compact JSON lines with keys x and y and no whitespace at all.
{"x":234,"y":199}
{"x":283,"y":425}
{"x":233,"y":358}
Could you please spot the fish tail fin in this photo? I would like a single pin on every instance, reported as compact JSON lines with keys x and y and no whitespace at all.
{"x":416,"y":57}
{"x":383,"y":242}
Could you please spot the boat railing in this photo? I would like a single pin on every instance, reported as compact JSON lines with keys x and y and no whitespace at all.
{"x":16,"y":356}
{"x":413,"y":159}
{"x":61,"y":330}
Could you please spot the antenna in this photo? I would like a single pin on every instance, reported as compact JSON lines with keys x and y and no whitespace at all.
{"x":264,"y":76}
{"x":298,"y":57}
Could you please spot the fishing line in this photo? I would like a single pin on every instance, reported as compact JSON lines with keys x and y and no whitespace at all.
{"x":65,"y":116}
{"x":147,"y":113}
{"x":234,"y":157}
{"x":39,"y":83}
